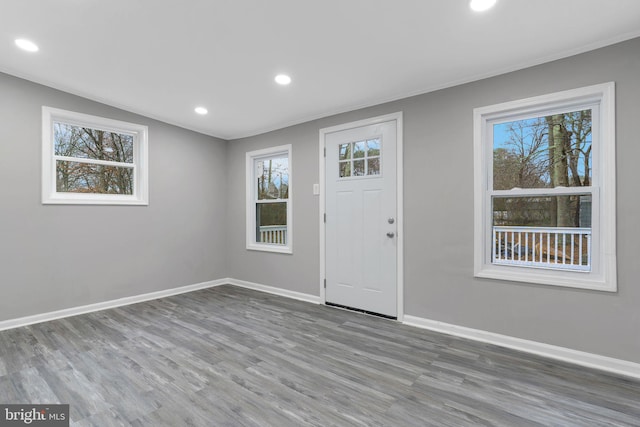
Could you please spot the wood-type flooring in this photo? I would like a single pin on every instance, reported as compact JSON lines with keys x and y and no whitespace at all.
{"x":229,"y":356}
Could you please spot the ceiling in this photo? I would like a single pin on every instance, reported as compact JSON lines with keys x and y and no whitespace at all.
{"x":163,"y":58}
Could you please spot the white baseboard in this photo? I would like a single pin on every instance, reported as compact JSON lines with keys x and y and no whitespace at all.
{"x":590,"y":360}
{"x":604,"y":363}
{"x":74,"y":311}
{"x":276,"y":291}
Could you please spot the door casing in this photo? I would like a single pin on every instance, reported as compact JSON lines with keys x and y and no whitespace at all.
{"x":399,"y":195}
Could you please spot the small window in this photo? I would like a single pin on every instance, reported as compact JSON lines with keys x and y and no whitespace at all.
{"x":92,"y":160}
{"x":269,"y":209}
{"x":360,"y":158}
{"x":545,"y":189}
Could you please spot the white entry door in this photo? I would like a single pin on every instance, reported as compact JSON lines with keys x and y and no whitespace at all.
{"x":361,"y":223}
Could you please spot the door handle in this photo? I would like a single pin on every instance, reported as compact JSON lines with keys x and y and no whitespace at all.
{"x":390,"y":234}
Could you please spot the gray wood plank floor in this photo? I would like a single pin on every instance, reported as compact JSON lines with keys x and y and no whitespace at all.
{"x":228,"y":356}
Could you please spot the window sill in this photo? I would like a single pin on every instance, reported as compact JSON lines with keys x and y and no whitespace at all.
{"x":270,"y":248}
{"x":572,"y":279}
{"x":92,"y":199}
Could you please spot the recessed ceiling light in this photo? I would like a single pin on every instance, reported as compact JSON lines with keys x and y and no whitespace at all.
{"x":201,"y":110}
{"x":27,"y":45}
{"x":283,"y":79}
{"x":482,"y":5}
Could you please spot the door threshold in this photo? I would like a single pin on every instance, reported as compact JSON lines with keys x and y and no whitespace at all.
{"x":359,"y":310}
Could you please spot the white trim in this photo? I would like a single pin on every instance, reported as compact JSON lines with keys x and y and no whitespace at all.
{"x":275,"y":291}
{"x":120,"y":302}
{"x":400,"y":210}
{"x":604,"y":363}
{"x":96,"y":162}
{"x":140,"y":163}
{"x":601,"y":98}
{"x":321,"y":217}
{"x":398,"y":117}
{"x":250,"y":209}
{"x":576,"y":357}
{"x":90,"y":308}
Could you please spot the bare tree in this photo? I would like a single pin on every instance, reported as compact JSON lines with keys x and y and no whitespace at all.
{"x":521,"y":163}
{"x":87,"y":143}
{"x":552,"y":151}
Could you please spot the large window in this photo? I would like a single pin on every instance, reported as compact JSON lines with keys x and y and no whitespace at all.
{"x":269,"y":200}
{"x":92,"y":160}
{"x":545,"y":189}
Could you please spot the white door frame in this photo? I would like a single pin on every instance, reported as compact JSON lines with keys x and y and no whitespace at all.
{"x":399,"y":195}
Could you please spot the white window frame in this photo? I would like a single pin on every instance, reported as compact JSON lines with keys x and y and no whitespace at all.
{"x":252,"y":194}
{"x":50,"y":195}
{"x":601,"y":99}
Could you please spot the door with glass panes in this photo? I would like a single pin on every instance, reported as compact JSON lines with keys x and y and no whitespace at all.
{"x":361,"y":209}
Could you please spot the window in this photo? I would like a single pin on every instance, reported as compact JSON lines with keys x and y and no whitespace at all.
{"x":92,"y":160}
{"x":545,"y":189}
{"x":360,"y":158}
{"x":269,"y":209}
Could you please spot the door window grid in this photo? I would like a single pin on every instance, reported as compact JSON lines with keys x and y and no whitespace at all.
{"x":359,"y":158}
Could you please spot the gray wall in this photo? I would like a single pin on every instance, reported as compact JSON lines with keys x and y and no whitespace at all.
{"x":439,"y":283}
{"x":54,"y":257}
{"x":298,"y":271}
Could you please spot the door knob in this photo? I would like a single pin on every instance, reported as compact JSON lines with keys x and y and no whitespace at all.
{"x":390,"y":234}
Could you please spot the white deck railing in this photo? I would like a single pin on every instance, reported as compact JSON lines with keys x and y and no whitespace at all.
{"x":562,"y":248}
{"x":273,"y":234}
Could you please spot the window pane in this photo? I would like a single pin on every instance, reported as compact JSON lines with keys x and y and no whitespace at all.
{"x":549,"y":232}
{"x":87,"y":143}
{"x":271,"y":219}
{"x":543,"y":152}
{"x":373,"y":147}
{"x":77,"y":177}
{"x":345,"y":151}
{"x":358,"y":167}
{"x":273,"y":178}
{"x":345,"y":169}
{"x":373,"y":166}
{"x":358,"y":149}
{"x":545,"y":211}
